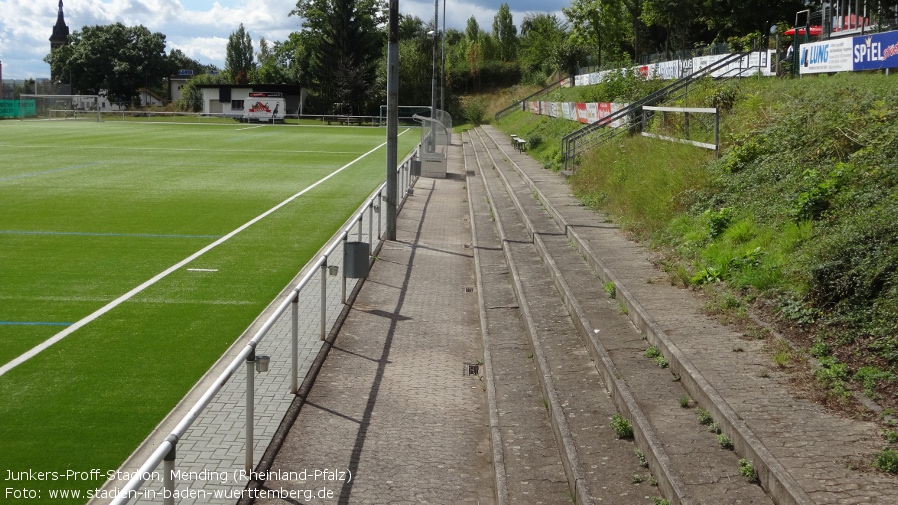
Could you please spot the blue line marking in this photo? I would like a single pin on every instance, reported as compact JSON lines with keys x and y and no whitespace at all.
{"x":32,"y":323}
{"x":92,"y":234}
{"x":63,"y":169}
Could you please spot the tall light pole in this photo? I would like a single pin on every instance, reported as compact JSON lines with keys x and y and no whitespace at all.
{"x":392,"y":117}
{"x":443,"y":61}
{"x":436,"y":30}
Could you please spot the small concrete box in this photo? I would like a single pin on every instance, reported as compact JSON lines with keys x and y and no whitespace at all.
{"x":355,"y":259}
{"x":433,"y":165}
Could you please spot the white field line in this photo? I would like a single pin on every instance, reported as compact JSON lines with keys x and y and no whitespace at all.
{"x":34,"y":351}
{"x":249,"y":127}
{"x":165,"y":149}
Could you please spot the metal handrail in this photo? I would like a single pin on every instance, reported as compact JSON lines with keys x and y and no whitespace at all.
{"x":551,"y":87}
{"x":166,"y":451}
{"x":569,"y":142}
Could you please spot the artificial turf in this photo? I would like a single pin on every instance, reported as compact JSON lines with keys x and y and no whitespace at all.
{"x":88,"y":211}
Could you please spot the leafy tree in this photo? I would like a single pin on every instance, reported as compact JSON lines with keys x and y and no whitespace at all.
{"x":472,"y":30}
{"x":541,"y":37}
{"x":293,"y":58}
{"x":345,"y":47}
{"x":728,"y":18}
{"x":601,"y":25}
{"x":506,"y":33}
{"x":177,"y":61}
{"x":239,"y":56}
{"x":117,"y":58}
{"x":192,"y":96}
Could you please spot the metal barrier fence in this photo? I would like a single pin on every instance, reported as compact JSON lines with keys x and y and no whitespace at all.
{"x":310,"y":291}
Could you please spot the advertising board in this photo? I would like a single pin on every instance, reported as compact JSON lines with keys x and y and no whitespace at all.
{"x":827,"y":56}
{"x":872,"y":52}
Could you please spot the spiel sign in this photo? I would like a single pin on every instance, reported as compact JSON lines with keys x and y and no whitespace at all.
{"x":876,"y":51}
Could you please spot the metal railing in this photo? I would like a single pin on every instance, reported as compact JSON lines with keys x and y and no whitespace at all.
{"x":590,"y":135}
{"x":166,"y":451}
{"x":517,"y":105}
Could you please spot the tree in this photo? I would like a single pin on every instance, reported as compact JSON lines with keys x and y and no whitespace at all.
{"x":239,"y":56}
{"x":345,"y":47}
{"x":115,"y":57}
{"x":541,"y":37}
{"x":293,"y":58}
{"x":178,"y":61}
{"x":505,"y":33}
{"x":601,"y":25}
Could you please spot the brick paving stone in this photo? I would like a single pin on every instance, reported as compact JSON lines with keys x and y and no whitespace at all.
{"x":391,"y":406}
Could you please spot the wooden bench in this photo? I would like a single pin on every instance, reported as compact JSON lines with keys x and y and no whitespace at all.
{"x":520,"y":144}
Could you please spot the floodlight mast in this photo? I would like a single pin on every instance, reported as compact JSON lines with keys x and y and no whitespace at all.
{"x":392,"y":117}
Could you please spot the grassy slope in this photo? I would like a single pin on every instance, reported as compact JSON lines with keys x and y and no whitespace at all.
{"x":797,"y":216}
{"x":87,"y":401}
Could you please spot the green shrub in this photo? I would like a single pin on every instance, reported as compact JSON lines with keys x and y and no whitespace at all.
{"x":887,"y":461}
{"x":622,"y":428}
{"x":474,"y":110}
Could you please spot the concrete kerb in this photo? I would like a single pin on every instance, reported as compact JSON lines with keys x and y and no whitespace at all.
{"x":495,"y":432}
{"x":570,"y":460}
{"x":771,"y":474}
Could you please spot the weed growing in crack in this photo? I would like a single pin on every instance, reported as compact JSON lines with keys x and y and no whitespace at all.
{"x":610,"y":290}
{"x":621,"y":427}
{"x":704,"y":417}
{"x":714,"y":428}
{"x":684,"y":401}
{"x":637,"y":478}
{"x":887,"y":460}
{"x":657,"y":500}
{"x":747,"y":470}
{"x":652,"y":352}
{"x":724,"y":442}
{"x":641,"y":457}
{"x":662,"y":361}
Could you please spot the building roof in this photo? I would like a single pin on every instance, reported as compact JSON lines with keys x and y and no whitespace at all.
{"x":292,"y":89}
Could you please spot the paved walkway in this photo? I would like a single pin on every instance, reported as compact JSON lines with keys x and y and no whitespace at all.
{"x":392,"y":418}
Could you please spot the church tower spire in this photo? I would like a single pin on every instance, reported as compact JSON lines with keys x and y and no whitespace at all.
{"x":60,"y":35}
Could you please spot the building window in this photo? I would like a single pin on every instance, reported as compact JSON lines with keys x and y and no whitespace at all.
{"x":236,"y":104}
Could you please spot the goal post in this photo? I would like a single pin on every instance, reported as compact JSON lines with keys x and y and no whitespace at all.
{"x":60,"y":107}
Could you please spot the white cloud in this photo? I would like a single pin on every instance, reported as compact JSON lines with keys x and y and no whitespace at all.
{"x":199,"y":28}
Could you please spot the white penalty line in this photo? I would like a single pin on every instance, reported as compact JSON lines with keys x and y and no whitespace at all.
{"x":34,"y":351}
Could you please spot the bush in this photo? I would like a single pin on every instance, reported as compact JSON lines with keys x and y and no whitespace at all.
{"x":474,"y":110}
{"x":621,"y":427}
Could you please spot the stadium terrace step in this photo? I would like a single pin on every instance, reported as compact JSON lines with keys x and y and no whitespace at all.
{"x":801,"y":452}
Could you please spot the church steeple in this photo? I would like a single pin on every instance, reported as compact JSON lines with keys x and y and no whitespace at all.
{"x":60,"y":35}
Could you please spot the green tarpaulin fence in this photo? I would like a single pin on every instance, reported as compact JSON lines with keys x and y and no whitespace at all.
{"x":16,"y":108}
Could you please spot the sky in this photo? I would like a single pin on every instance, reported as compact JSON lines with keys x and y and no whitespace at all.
{"x":200,"y":28}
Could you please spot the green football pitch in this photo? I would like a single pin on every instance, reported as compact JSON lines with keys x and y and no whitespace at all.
{"x":91,"y":211}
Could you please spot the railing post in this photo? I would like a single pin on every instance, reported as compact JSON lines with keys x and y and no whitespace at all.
{"x":323,"y":298}
{"x":250,"y":414}
{"x":343,"y":295}
{"x":361,"y":218}
{"x":168,"y":477}
{"x":686,"y":123}
{"x":294,"y":334}
{"x":371,"y":223}
{"x":380,"y":215}
{"x":717,"y":132}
